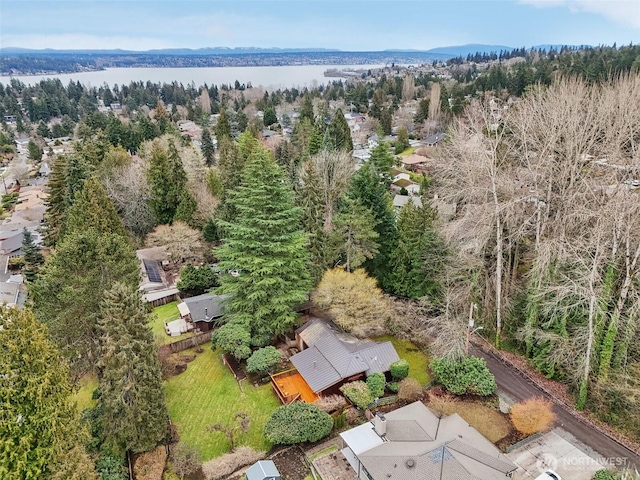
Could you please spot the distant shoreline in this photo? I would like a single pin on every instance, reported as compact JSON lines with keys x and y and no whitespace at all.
{"x":59,"y":63}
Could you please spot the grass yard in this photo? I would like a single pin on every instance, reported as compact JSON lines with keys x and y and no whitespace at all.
{"x":160,"y":316}
{"x":205,"y":394}
{"x":490,"y":423}
{"x":407,"y":152}
{"x":418,"y":361}
{"x":88,"y":384}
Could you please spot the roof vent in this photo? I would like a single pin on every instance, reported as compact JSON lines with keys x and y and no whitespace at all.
{"x":410,"y":463}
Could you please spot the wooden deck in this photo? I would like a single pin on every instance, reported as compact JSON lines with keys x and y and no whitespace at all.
{"x":290,"y":386}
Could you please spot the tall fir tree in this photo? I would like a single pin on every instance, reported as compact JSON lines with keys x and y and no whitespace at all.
{"x":370,"y":190}
{"x":56,"y":203}
{"x":67,"y":293}
{"x":132,"y":407}
{"x":93,"y":209}
{"x":419,"y":258}
{"x":33,"y":258}
{"x":208,"y":150}
{"x":306,"y":109}
{"x":354,"y":238}
{"x":339,"y":133}
{"x":310,"y":199}
{"x":223,"y":129}
{"x":167,"y":179}
{"x":40,"y":429}
{"x":266,"y":244}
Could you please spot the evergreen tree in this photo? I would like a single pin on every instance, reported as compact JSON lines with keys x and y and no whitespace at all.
{"x":223,"y":129}
{"x":132,"y":406}
{"x":32,"y":256}
{"x":35,"y":152}
{"x":354,"y":238}
{"x":269,"y":117}
{"x":266,"y":244}
{"x":67,"y":293}
{"x":186,"y":208}
{"x":340,"y":133}
{"x":422,"y":113}
{"x":417,"y":262}
{"x":166,"y":177}
{"x":306,"y":109}
{"x":402,"y":142}
{"x":93,"y":209}
{"x":382,"y":160}
{"x":386,"y":119}
{"x":56,"y":201}
{"x":208,"y":150}
{"x":40,"y":429}
{"x":311,"y":201}
{"x":369,"y":189}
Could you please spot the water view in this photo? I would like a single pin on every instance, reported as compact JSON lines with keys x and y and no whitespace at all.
{"x":268,"y":77}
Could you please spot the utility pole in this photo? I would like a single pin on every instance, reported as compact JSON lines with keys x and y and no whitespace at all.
{"x":472,"y":307}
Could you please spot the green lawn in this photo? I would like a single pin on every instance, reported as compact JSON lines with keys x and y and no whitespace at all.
{"x":407,"y":152}
{"x":88,"y":384}
{"x":418,"y":361}
{"x":159,"y":317}
{"x":207,"y":394}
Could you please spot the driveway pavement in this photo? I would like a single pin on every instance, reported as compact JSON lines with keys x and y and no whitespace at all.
{"x":558,"y":451}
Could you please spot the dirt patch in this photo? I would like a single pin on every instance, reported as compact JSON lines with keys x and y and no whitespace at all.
{"x":290,"y":462}
{"x":150,"y":465}
{"x":172,"y":364}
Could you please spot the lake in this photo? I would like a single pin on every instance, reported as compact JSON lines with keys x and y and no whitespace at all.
{"x":268,"y":77}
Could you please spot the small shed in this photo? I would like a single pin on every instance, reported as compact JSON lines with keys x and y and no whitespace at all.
{"x":263,"y":470}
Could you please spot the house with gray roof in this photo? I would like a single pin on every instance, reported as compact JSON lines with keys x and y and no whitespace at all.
{"x":203,"y":310}
{"x":328,"y":356}
{"x":413,"y":443}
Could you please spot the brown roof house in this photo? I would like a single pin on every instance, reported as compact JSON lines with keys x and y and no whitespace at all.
{"x":328,"y":356}
{"x":413,"y":443}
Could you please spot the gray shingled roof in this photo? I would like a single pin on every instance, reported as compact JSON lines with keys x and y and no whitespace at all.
{"x":420,"y":446}
{"x":206,"y":307}
{"x":263,"y":470}
{"x":334,"y":355}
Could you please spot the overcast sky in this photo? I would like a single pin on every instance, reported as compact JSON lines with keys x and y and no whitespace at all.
{"x":342,"y":24}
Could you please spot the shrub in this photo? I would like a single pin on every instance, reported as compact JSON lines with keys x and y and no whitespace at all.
{"x":331,"y":403}
{"x":467,"y":376}
{"x":197,"y":279}
{"x":603,"y":475}
{"x":224,"y":466}
{"x":185,"y":459}
{"x":399,"y":369}
{"x":393,"y":387}
{"x":532,"y":415}
{"x":111,"y":468}
{"x":296,"y":423}
{"x":375,"y":383}
{"x":358,"y":392}
{"x":352,"y":416}
{"x":234,"y":339}
{"x":264,"y":360}
{"x":409,"y":389}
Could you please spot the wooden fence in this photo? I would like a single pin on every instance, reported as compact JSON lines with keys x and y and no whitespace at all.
{"x":194,"y":341}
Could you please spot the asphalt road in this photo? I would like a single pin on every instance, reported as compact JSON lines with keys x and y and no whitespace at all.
{"x":517,"y":387}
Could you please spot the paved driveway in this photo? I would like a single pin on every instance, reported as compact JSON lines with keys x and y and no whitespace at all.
{"x":558,"y":451}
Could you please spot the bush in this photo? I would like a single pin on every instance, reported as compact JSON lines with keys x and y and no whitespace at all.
{"x":399,"y":369}
{"x":532,"y":415}
{"x":185,"y":459}
{"x":224,"y":466}
{"x":604,"y":475}
{"x":264,"y":360}
{"x":375,"y":383}
{"x":197,"y":280}
{"x":331,"y":403}
{"x":467,"y":376}
{"x":111,"y":468}
{"x":358,"y":392}
{"x":297,"y":422}
{"x":393,"y":387}
{"x":409,"y":389}
{"x":234,"y":339}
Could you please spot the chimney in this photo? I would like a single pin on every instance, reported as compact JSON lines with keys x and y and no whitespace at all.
{"x":206,"y":313}
{"x":380,"y":424}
